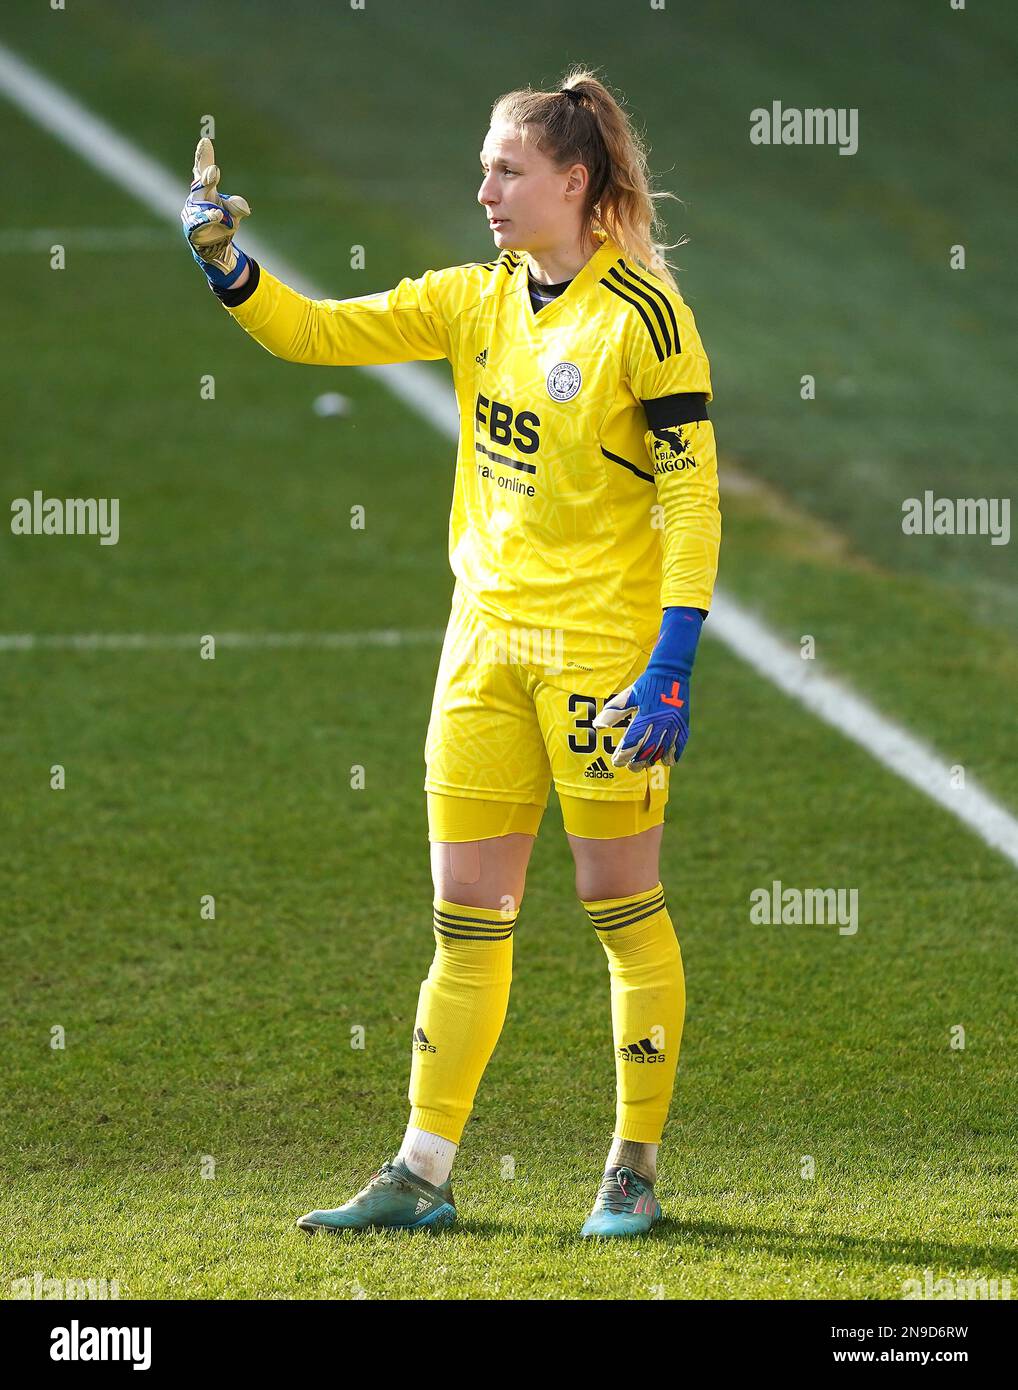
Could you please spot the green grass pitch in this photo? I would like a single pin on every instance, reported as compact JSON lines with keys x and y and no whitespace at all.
{"x":188,"y":1039}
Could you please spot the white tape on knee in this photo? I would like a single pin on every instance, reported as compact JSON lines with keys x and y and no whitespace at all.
{"x":465,"y":861}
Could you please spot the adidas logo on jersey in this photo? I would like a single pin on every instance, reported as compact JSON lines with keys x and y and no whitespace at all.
{"x":421,"y":1043}
{"x":482,"y":358}
{"x":599,"y":768}
{"x":642,"y":1051}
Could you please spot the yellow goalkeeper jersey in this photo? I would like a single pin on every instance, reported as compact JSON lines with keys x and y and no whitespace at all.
{"x":586,"y":492}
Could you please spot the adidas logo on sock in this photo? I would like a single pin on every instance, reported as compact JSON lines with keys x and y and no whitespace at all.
{"x":599,"y":768}
{"x":642,"y":1051}
{"x":421,"y":1043}
{"x":482,"y":358}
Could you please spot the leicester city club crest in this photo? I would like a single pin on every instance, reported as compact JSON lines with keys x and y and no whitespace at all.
{"x":564,"y":381}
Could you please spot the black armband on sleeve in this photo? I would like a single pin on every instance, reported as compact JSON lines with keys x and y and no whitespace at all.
{"x":666,"y":412}
{"x":233,"y":298}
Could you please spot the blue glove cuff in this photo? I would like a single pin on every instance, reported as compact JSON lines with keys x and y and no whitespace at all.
{"x":675,"y":650}
{"x":216,"y":278}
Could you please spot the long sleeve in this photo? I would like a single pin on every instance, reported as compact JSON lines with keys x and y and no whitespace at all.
{"x":685,"y":461}
{"x":404,"y":324}
{"x":672,"y":380}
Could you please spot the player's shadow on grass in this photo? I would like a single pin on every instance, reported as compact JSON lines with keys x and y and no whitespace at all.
{"x":712,"y":1236}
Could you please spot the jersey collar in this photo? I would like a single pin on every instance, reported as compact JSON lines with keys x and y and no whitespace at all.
{"x":587,"y":275}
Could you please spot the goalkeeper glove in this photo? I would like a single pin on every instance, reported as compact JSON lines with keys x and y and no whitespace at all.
{"x":659,"y":701}
{"x":210,"y":219}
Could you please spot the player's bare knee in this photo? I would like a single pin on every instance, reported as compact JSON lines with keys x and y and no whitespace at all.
{"x":606,"y":884}
{"x":476,"y":874}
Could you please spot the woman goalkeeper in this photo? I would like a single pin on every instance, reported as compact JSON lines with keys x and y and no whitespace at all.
{"x":584,"y":541}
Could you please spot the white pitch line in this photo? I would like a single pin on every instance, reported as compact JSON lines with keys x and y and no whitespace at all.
{"x":833,"y":702}
{"x":142,"y":178}
{"x":114,"y":241}
{"x":176,"y":641}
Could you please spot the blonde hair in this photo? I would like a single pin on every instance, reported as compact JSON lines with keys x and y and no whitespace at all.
{"x":590,"y":127}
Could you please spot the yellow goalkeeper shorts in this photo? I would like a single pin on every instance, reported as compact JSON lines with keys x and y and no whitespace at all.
{"x":501,"y":733}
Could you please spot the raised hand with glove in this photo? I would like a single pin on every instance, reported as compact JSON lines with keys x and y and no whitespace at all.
{"x":659,"y":700}
{"x":210,"y":219}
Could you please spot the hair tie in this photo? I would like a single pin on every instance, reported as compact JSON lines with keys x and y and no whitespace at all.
{"x":574,"y":96}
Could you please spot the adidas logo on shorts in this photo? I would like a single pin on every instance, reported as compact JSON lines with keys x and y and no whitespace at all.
{"x":482,"y":358}
{"x":599,"y":768}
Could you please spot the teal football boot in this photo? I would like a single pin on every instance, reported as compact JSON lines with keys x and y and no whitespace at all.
{"x":394,"y":1198}
{"x":625,"y":1206}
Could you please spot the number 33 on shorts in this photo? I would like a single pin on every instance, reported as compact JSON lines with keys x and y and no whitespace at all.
{"x":659,"y":728}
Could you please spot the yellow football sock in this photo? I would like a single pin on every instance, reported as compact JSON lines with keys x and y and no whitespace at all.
{"x":460,"y":1014}
{"x":648,"y":992}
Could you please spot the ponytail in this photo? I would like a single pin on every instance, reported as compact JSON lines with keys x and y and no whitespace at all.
{"x":582,"y":123}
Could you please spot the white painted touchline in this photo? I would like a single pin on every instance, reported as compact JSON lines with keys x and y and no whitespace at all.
{"x":113,"y":241}
{"x":176,"y":641}
{"x":128,"y":166}
{"x":836,"y":704}
{"x":124,"y":164}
